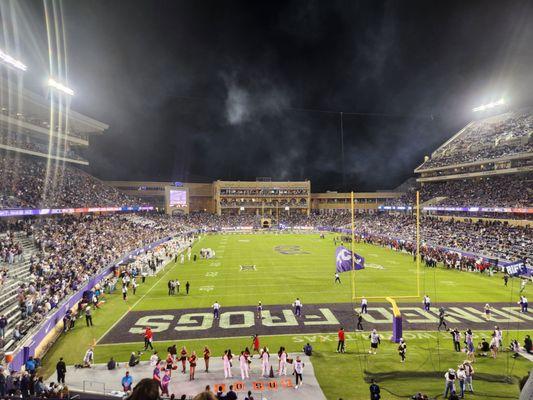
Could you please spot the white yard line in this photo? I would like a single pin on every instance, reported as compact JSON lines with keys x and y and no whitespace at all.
{"x":141,"y":298}
{"x":138,"y":301}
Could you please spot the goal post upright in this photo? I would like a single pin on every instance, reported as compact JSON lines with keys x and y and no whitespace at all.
{"x":352,"y":246}
{"x":418,"y":243}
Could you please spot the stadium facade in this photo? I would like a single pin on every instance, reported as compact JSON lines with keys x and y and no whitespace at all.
{"x":262,"y":197}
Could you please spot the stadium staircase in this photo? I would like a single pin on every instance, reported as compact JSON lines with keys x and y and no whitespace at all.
{"x":18,"y":273}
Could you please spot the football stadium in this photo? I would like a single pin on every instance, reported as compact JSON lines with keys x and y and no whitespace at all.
{"x":201,"y":200}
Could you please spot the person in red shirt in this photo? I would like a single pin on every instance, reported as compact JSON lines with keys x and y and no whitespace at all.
{"x":148,"y":338}
{"x":340,"y":345}
{"x":256,"y":344}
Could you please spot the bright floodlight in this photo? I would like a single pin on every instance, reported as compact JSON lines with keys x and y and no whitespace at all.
{"x":12,"y":62}
{"x":59,"y":86}
{"x":489,"y":105}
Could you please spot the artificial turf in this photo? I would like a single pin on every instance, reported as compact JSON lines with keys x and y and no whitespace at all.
{"x":302,"y":265}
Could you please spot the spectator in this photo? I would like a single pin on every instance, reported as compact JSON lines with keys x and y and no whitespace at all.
{"x":375,"y":393}
{"x":111,"y":364}
{"x":134,"y":359}
{"x":450,"y":377}
{"x":308,"y":350}
{"x":127,"y":382}
{"x":146,"y":389}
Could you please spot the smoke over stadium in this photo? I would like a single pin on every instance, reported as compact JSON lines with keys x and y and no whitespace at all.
{"x":251,"y":200}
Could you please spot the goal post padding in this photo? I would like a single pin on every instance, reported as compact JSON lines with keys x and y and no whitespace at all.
{"x":397,"y":328}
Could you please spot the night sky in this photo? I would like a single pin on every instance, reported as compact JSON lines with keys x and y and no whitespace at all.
{"x":202,"y":90}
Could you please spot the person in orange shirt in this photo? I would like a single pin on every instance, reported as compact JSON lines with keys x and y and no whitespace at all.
{"x":148,"y":338}
{"x":340,"y":345}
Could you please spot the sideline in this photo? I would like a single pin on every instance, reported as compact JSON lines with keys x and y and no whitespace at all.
{"x":143,"y":296}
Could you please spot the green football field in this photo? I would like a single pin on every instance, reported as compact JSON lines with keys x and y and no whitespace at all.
{"x":302,"y":265}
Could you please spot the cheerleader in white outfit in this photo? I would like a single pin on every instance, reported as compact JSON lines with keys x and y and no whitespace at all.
{"x":265,"y":363}
{"x":282,"y":362}
{"x":227,"y":364}
{"x":243,"y":363}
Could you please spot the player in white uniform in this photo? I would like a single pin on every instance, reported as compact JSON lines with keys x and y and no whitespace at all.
{"x":426,"y":302}
{"x":88,"y":358}
{"x":216,"y":310}
{"x":297,"y":307}
{"x":265,"y":362}
{"x":282,"y":362}
{"x":227,"y":364}
{"x":364,"y":306}
{"x":375,"y":340}
{"x":182,"y":258}
{"x":189,"y":251}
{"x":243,"y":363}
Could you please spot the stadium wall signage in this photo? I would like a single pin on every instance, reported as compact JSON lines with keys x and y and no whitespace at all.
{"x":242,"y":321}
{"x":53,"y":322}
{"x":21,"y":212}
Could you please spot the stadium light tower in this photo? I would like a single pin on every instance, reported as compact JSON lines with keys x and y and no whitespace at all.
{"x":490,"y":105}
{"x":59,"y":86}
{"x":11,"y":61}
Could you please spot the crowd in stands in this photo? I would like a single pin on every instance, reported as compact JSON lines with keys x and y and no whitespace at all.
{"x":497,"y":191}
{"x":70,"y":251}
{"x":24,"y":142}
{"x":265,"y":192}
{"x":26,"y":182}
{"x":43,"y":123}
{"x":505,"y":135}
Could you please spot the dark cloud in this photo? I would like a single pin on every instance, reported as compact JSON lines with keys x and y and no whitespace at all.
{"x":210,"y":89}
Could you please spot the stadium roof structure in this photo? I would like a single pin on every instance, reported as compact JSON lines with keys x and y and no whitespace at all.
{"x":496,"y":145}
{"x":24,"y":103}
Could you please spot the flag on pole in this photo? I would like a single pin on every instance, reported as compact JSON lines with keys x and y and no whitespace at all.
{"x":343,"y":260}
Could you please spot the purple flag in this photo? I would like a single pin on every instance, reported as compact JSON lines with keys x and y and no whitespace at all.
{"x":343,"y":260}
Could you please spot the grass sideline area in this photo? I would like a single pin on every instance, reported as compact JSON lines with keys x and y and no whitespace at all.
{"x":302,"y":265}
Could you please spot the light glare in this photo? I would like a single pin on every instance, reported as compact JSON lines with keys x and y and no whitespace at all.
{"x":59,"y":86}
{"x":492,"y":104}
{"x":12,"y":62}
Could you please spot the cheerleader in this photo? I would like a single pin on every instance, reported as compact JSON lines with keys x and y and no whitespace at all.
{"x":265,"y":362}
{"x":207,"y":354}
{"x":183,"y":359}
{"x":170,"y":363}
{"x":402,"y":348}
{"x":243,"y":363}
{"x":282,"y":355}
{"x":192,"y":365}
{"x":227,"y":364}
{"x":375,"y":341}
